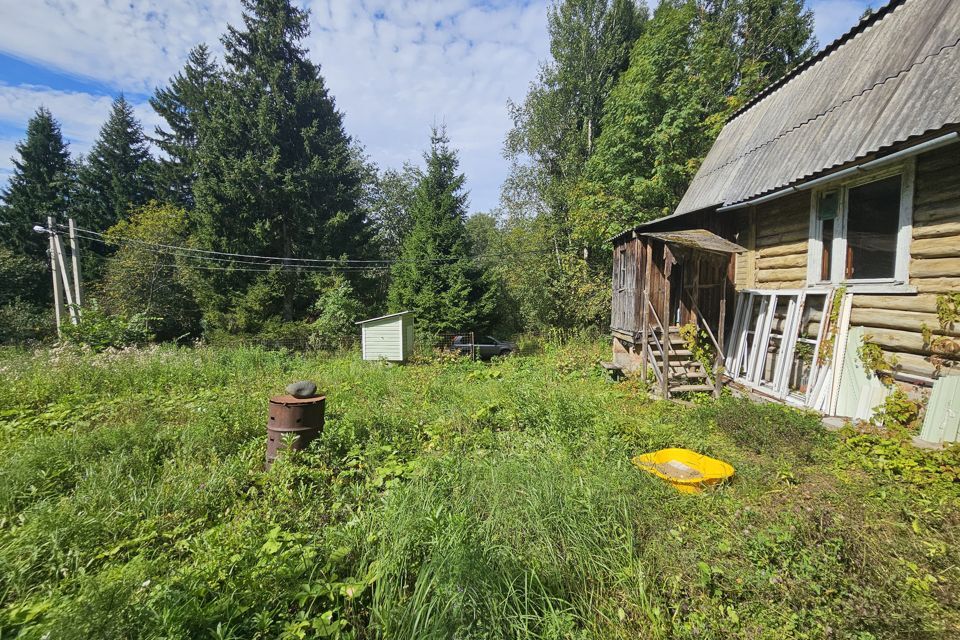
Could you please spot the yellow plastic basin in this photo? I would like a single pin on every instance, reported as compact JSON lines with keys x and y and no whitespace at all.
{"x":688,"y":471}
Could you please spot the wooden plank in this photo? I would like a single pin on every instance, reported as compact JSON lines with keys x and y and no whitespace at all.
{"x":905,"y":341}
{"x":946,"y":247}
{"x":911,"y":363}
{"x":784,"y":249}
{"x":944,"y":211}
{"x":936,"y":285}
{"x":935,"y":230}
{"x":797,"y":274}
{"x":791,"y":261}
{"x":897,"y":319}
{"x":936,"y":188}
{"x":935,"y":268}
{"x":925,"y":303}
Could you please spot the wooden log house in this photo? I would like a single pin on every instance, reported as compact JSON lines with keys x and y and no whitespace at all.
{"x":829,"y":202}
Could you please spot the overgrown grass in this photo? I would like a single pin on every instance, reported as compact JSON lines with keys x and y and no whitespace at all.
{"x":447,"y":499}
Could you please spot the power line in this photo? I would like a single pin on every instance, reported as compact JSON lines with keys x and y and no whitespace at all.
{"x":278,"y":261}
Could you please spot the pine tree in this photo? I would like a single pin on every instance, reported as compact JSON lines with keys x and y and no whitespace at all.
{"x":276,"y":175}
{"x":434,"y":275}
{"x":39,"y":187}
{"x":183,"y":105}
{"x":118,"y":172}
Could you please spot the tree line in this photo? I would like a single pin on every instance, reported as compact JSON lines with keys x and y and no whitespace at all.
{"x":253,"y":159}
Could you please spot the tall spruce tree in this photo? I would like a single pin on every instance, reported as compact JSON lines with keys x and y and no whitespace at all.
{"x":39,"y":187}
{"x":435,"y":276}
{"x":183,"y":105}
{"x":276,"y":174}
{"x":118,"y":172}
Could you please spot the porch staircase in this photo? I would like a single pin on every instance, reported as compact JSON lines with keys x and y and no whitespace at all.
{"x":685,"y":374}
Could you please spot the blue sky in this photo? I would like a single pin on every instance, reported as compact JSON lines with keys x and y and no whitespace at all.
{"x":395,"y":67}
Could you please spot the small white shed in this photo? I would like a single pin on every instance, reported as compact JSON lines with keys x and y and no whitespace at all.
{"x":388,"y":337}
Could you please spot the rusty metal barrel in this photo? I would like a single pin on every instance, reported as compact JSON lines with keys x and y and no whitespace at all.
{"x":298,"y":419}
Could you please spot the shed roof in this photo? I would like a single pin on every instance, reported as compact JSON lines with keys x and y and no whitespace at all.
{"x":698,"y":239}
{"x":389,"y":315}
{"x":892,"y":78}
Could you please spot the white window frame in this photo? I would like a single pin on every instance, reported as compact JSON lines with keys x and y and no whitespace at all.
{"x":899,"y":283}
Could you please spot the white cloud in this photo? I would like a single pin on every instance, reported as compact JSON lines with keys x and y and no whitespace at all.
{"x":80,"y":115}
{"x":133,"y":45}
{"x":392,"y":71}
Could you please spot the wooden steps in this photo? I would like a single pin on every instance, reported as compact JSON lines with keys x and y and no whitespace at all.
{"x":684,"y":373}
{"x":686,"y":388}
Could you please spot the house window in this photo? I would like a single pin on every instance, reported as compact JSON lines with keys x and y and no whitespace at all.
{"x":622,"y":260}
{"x":860,"y":230}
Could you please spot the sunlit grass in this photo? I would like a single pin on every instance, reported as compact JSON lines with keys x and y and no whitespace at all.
{"x":445,"y":499}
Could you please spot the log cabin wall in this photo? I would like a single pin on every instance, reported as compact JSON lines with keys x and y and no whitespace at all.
{"x":895,"y":321}
{"x":775,"y":233}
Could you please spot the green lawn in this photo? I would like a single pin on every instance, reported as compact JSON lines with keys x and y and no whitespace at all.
{"x":447,"y":499}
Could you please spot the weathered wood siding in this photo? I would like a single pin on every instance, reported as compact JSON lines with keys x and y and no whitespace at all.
{"x":895,"y":322}
{"x":627,"y":296}
{"x":778,"y":259}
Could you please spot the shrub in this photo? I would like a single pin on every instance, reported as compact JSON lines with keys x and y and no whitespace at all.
{"x":100,"y":330}
{"x":141,"y":283}
{"x":21,"y":321}
{"x":337,"y":309}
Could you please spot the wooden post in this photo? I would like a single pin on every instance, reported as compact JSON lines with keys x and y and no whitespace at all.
{"x":721,"y":329}
{"x":645,"y":311}
{"x":75,"y":258}
{"x":667,"y":269}
{"x":54,"y":272}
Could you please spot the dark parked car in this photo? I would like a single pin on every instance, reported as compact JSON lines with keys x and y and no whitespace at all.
{"x":485,"y":346}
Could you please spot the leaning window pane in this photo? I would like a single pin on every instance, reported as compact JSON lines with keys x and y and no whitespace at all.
{"x":873,"y":219}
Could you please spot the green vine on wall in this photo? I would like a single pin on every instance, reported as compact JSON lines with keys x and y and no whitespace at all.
{"x":697,"y":342}
{"x":876,"y":361}
{"x":948,"y":314}
{"x":825,"y":356}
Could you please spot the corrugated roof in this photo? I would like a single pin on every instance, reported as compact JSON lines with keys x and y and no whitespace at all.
{"x":893,"y":77}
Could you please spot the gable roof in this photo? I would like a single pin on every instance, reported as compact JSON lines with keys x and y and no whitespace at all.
{"x":893,"y":77}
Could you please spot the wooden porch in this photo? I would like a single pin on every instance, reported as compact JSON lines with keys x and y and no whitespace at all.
{"x":667,"y":284}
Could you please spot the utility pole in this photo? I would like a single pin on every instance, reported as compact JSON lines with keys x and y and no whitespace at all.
{"x":57,"y":295}
{"x":75,"y":257}
{"x":62,"y":285}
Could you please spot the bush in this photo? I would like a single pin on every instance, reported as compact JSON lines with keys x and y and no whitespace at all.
{"x":21,"y":322}
{"x":338,"y":310}
{"x":99,"y":330}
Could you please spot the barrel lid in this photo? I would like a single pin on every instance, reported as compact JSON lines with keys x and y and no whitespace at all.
{"x":292,"y":400}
